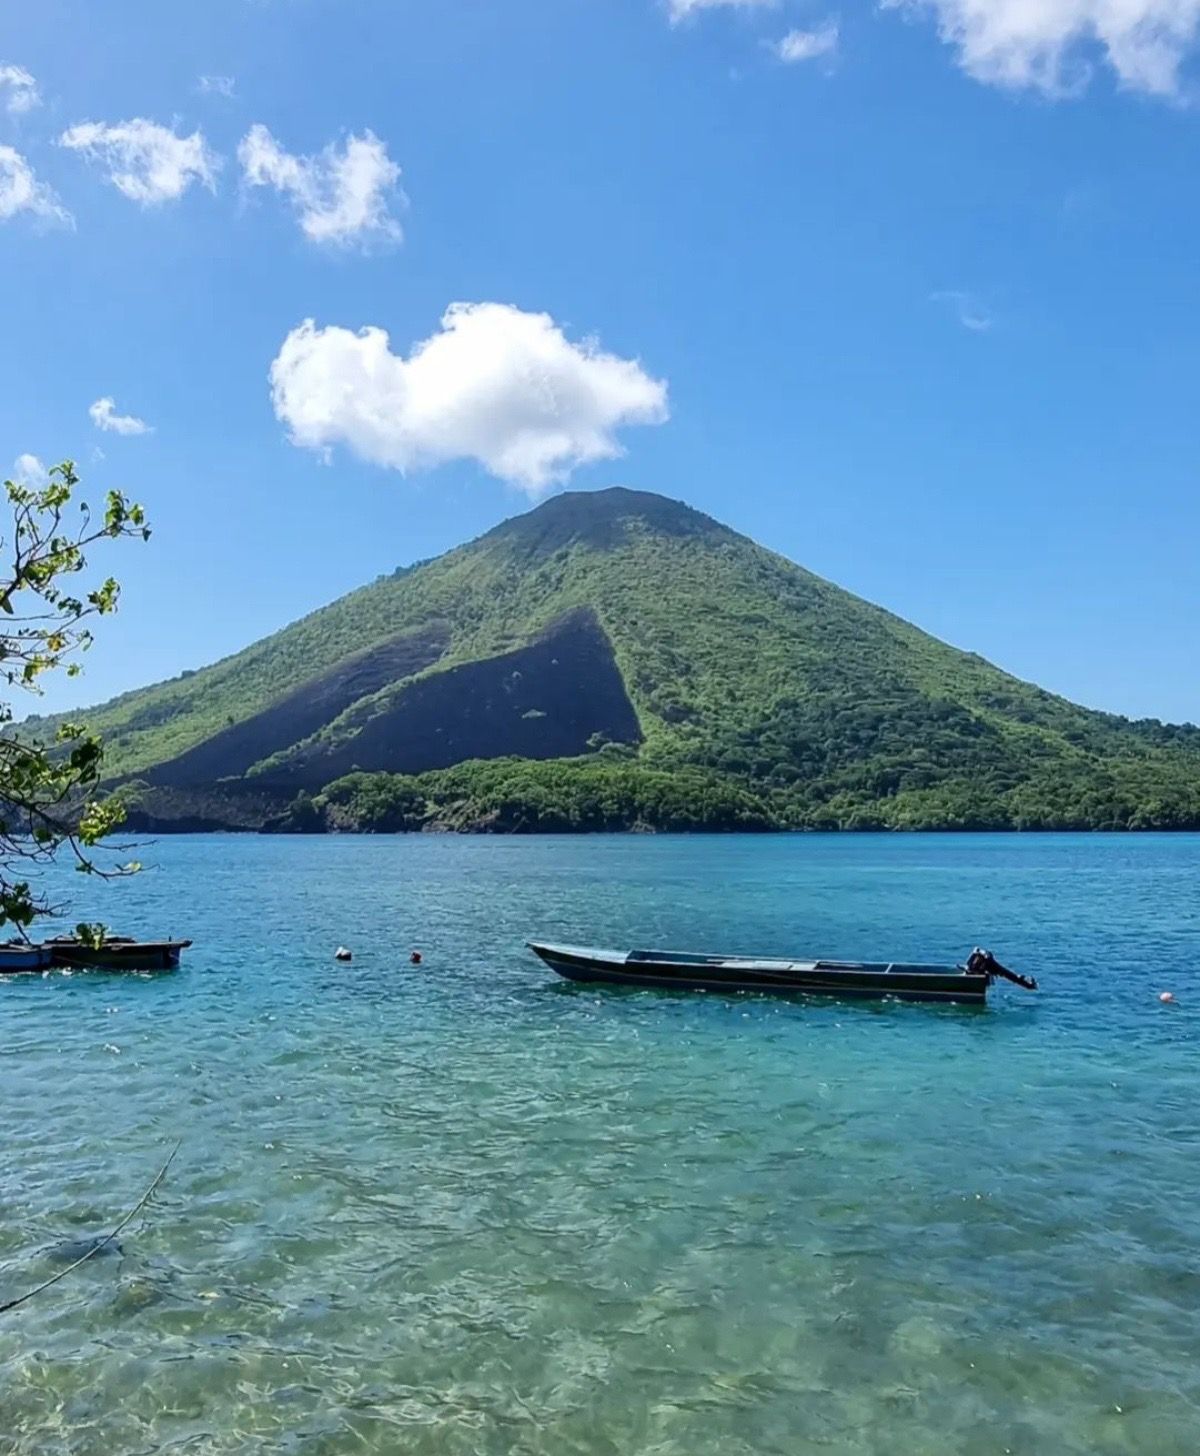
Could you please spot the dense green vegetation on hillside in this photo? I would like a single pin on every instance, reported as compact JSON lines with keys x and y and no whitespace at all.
{"x":515,"y":796}
{"x":762,"y":694}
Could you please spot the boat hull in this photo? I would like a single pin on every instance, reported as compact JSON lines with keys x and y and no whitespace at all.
{"x":118,"y":955}
{"x":667,"y":971}
{"x":24,"y":959}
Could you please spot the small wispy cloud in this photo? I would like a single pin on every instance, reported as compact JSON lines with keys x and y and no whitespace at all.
{"x":966,"y":308}
{"x":20,"y":89}
{"x":808,"y":45}
{"x":28,"y":470}
{"x":341,"y":196}
{"x":1047,"y":45}
{"x":22,"y":191}
{"x":148,"y":163}
{"x":680,"y":9}
{"x":215,"y":85}
{"x":104,"y":416}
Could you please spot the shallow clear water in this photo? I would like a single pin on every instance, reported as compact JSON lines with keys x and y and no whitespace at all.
{"x":468,"y":1208}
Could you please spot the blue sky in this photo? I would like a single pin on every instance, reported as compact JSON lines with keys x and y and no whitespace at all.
{"x":917,"y":307}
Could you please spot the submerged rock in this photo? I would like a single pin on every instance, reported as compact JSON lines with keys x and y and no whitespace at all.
{"x":69,"y":1250}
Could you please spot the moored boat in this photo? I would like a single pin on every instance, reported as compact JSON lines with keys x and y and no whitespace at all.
{"x":117,"y":953}
{"x":679,"y":970}
{"x":23,"y":955}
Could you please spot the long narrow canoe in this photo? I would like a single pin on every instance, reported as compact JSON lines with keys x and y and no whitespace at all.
{"x":678,"y":970}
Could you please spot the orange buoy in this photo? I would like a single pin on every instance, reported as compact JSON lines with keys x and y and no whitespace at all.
{"x":1166,"y":996}
{"x":415,"y":958}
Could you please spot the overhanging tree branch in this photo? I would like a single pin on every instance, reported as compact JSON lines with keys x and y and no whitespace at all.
{"x":49,"y":791}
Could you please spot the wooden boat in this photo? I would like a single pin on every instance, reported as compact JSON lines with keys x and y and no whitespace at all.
{"x":23,"y":955}
{"x":677,"y":970}
{"x":117,"y":953}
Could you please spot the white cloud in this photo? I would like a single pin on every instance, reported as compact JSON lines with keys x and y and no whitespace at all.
{"x":341,"y":196}
{"x":494,"y":384}
{"x":29,"y":470}
{"x":20,"y":191}
{"x":23,"y":94}
{"x":1044,"y":44}
{"x":966,"y":308}
{"x":681,"y":9}
{"x":808,"y":45}
{"x":104,"y":417}
{"x":215,"y":85}
{"x":147,"y":162}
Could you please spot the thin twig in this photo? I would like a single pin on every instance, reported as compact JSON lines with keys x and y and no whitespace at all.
{"x":101,"y":1243}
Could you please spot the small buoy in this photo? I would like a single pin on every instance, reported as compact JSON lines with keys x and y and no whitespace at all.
{"x":415,"y":958}
{"x":342,"y":954}
{"x":1165,"y":996}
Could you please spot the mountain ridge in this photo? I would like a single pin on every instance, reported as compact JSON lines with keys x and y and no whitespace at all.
{"x":628,"y":634}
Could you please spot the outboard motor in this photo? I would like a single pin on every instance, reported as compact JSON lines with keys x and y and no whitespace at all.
{"x":984,"y":963}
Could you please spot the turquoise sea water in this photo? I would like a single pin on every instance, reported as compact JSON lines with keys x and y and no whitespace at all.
{"x":466,"y":1208}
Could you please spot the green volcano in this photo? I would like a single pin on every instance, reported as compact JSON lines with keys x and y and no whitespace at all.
{"x":616,"y":659}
